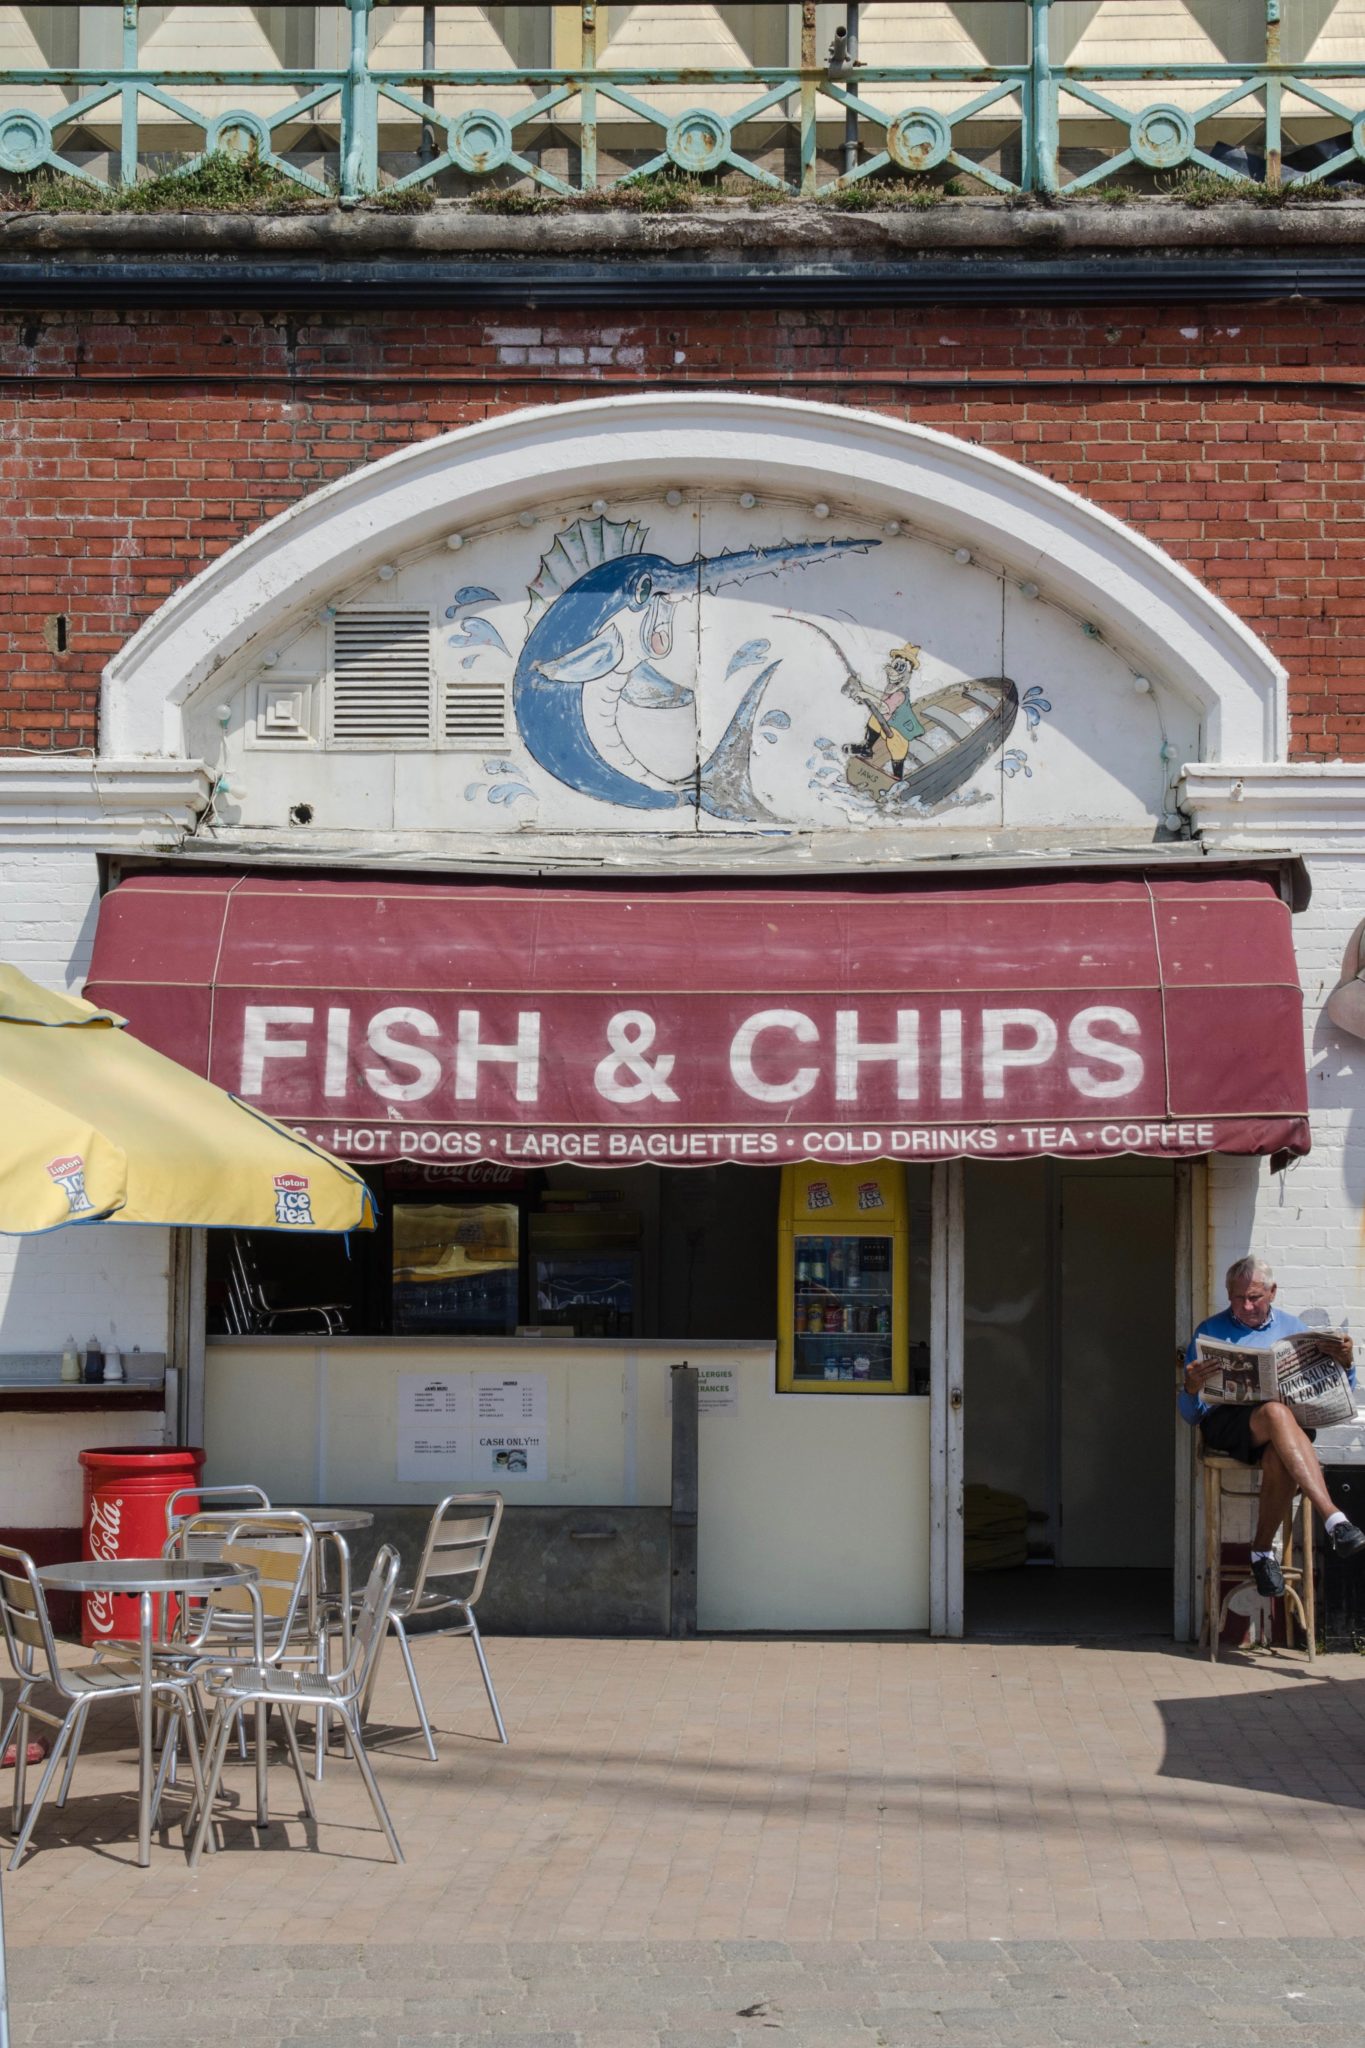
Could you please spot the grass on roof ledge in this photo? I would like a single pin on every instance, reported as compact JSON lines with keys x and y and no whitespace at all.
{"x":229,"y":183}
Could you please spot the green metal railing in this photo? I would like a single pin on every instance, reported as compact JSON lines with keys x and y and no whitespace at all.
{"x":806,"y":128}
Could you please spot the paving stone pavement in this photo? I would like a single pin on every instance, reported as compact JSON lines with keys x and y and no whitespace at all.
{"x":697,"y":1845}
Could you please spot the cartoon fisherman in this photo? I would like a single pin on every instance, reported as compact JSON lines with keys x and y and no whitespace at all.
{"x":892,"y":722}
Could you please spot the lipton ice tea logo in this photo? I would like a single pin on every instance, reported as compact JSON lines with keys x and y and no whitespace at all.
{"x":293,"y":1204}
{"x":870,"y":1195}
{"x":818,"y":1195}
{"x":69,"y":1175}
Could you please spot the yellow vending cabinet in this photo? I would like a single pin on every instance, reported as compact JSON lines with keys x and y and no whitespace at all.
{"x":844,"y":1280}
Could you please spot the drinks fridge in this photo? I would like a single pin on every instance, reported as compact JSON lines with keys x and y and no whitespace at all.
{"x":843,"y":1280}
{"x":456,"y":1268}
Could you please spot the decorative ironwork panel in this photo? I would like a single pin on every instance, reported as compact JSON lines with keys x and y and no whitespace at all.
{"x":818,"y":123}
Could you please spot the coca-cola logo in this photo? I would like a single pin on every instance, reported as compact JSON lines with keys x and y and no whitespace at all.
{"x":106,"y":1521}
{"x":430,"y":1173}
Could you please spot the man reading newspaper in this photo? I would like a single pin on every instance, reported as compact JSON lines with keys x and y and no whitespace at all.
{"x":1265,"y":1433}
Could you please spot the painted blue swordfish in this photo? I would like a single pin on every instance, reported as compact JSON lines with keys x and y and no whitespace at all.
{"x":601,"y":618}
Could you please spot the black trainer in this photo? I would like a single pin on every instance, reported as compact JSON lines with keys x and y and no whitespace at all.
{"x":1346,"y":1540}
{"x":1268,"y":1576}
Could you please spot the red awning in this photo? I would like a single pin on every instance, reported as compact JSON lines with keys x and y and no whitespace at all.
{"x":694,"y":1024}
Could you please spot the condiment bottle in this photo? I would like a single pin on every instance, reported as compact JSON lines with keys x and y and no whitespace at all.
{"x":113,"y":1361}
{"x":94,"y":1362}
{"x":71,"y":1361}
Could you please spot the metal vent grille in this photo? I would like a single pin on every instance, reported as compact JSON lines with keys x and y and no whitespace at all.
{"x":381,"y":678}
{"x":476,"y":715}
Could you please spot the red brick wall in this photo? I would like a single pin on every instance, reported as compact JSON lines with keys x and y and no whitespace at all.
{"x":136,"y":447}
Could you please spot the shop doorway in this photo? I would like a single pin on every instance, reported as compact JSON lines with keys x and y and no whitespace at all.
{"x":1069,"y":1502}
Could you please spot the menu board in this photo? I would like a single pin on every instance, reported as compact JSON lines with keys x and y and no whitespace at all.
{"x":510,"y":1412}
{"x":484,"y":1427}
{"x":433,"y":1426}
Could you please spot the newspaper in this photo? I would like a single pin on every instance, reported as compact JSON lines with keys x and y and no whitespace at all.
{"x":1296,"y":1371}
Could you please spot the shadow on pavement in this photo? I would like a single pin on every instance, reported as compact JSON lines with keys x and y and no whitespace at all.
{"x":1304,"y":1741}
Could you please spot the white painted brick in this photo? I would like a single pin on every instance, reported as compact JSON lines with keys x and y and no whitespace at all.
{"x":41,"y":1481}
{"x":1308,"y":1221}
{"x":94,"y":1280}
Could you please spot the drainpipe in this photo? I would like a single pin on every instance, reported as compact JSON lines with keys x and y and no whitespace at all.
{"x":128,"y":98}
{"x":809,"y":94}
{"x":850,"y":118}
{"x":1274,"y":160}
{"x":587,"y":127}
{"x":428,"y":90}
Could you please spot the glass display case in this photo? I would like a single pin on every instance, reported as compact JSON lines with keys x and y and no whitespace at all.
{"x":844,"y":1280}
{"x":456,"y":1268}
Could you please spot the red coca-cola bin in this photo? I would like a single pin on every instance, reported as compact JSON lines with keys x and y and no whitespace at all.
{"x":127,"y":1487}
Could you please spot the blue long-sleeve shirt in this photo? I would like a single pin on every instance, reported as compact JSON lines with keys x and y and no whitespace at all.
{"x":1227,"y":1330}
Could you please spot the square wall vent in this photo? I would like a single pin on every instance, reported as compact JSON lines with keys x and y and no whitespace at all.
{"x":381,"y":681}
{"x":476,"y":717}
{"x":283,"y":712}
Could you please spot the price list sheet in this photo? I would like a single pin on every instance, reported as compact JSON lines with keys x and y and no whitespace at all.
{"x":433,"y":1426}
{"x":509,"y":1425}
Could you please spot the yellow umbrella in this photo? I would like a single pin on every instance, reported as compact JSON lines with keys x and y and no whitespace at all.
{"x":97,"y":1128}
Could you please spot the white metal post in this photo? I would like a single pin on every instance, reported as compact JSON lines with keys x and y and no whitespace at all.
{"x":946,"y":1392}
{"x":189,"y":1309}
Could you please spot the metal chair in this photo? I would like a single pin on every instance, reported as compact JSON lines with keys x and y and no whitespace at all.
{"x":282,"y":1549}
{"x":459,"y":1544}
{"x":33,"y":1653}
{"x":234,"y":1687}
{"x":275,"y":1622}
{"x":210,"y":1499}
{"x":249,"y":1311}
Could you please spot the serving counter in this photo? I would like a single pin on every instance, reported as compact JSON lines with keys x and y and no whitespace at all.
{"x":813,"y":1510}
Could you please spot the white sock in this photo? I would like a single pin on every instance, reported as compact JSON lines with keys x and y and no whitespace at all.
{"x":1333,"y":1519}
{"x":1265,"y":1553}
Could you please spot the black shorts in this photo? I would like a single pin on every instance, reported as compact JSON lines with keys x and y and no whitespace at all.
{"x":1227,"y":1430}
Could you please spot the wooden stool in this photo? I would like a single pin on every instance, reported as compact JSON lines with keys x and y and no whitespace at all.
{"x":1219,"y":1587}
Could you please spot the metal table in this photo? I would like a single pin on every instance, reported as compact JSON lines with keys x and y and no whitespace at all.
{"x":336,"y":1524}
{"x":331,"y":1521}
{"x":151,"y":1578}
